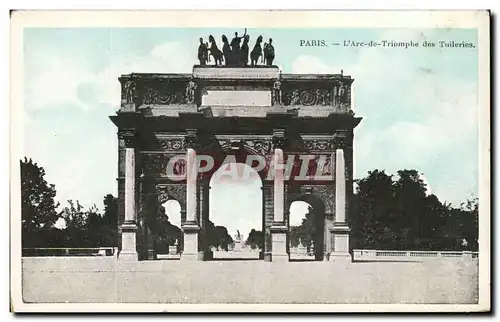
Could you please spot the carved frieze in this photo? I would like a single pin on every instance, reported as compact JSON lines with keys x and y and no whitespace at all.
{"x":327,"y":194}
{"x":154,"y":96}
{"x":336,"y":94}
{"x":319,"y":145}
{"x":157,"y":165}
{"x":257,"y":146}
{"x":167,"y":192}
{"x":164,"y":143}
{"x":166,"y":92}
{"x":169,"y":144}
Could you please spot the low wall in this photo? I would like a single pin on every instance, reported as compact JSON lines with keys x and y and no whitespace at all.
{"x":68,"y":251}
{"x":409,"y":256}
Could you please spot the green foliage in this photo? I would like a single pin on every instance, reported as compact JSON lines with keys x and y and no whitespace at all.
{"x":165,"y":234}
{"x":89,"y":228}
{"x":218,"y":236}
{"x":255,"y":239}
{"x":38,"y":208}
{"x":396,"y":214}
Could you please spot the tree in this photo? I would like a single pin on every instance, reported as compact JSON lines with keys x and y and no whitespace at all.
{"x":469,"y":224}
{"x":76,"y":220}
{"x":38,"y":208}
{"x":396,"y":213}
{"x":165,"y":234}
{"x":255,"y":239}
{"x":110,"y":221}
{"x":218,"y":236}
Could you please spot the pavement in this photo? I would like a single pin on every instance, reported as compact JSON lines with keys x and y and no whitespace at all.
{"x":108,"y":280}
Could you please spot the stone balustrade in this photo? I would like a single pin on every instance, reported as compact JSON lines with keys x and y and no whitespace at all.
{"x":396,"y":255}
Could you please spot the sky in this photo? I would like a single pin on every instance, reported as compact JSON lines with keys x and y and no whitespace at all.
{"x":419,"y":105}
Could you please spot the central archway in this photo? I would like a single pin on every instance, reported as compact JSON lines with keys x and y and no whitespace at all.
{"x":235,"y":227}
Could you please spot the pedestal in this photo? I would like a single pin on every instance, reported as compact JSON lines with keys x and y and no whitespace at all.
{"x":278,"y":237}
{"x":190,"y":242}
{"x":129,"y":251}
{"x":237,"y":246}
{"x":172,"y":250}
{"x":340,"y":235}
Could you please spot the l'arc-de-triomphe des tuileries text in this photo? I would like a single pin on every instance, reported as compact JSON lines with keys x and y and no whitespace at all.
{"x":238,"y":111}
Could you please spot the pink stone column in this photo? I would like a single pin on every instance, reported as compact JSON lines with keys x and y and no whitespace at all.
{"x":340,"y":189}
{"x":340,"y":229}
{"x":279,"y":229}
{"x":129,"y":226}
{"x":190,"y":226}
{"x":279,"y":186}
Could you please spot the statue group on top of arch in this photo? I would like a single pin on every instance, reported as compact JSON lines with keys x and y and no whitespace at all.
{"x":236,"y":52}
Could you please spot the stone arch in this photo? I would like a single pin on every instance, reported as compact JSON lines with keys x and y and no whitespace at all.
{"x":313,"y":200}
{"x":319,"y":208}
{"x":242,"y":148}
{"x":177,"y":192}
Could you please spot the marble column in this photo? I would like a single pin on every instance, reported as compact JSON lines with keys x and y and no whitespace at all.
{"x":129,"y":226}
{"x":328,"y":236}
{"x":267,"y":219}
{"x":279,"y":229}
{"x":204,"y":252}
{"x":340,"y":229}
{"x":190,"y":226}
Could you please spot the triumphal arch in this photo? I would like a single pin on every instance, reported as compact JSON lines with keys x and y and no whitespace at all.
{"x":175,"y":130}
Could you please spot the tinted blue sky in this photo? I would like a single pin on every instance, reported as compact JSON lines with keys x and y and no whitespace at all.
{"x":419,"y":104}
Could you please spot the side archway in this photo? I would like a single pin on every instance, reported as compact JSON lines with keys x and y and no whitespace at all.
{"x":313,"y":225}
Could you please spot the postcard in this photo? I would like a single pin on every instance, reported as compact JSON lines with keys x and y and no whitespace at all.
{"x":250,"y":161}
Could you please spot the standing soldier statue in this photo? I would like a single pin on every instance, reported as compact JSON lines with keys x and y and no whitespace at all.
{"x":269,"y":53}
{"x":276,"y":93}
{"x":190,"y":92}
{"x":202,"y":53}
{"x":129,"y":89}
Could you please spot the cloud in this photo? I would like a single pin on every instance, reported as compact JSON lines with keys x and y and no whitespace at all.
{"x":414,"y":116}
{"x":65,"y":82}
{"x":66,"y":109}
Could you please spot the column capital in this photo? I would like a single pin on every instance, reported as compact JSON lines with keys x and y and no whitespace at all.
{"x":129,"y":137}
{"x":278,"y":138}
{"x":190,"y":138}
{"x":340,"y":139}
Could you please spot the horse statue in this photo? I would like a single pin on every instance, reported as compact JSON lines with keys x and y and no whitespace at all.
{"x":256,"y":52}
{"x":215,"y":51}
{"x":226,"y":50}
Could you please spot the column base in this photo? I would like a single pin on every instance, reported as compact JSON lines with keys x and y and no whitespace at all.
{"x":190,"y":257}
{"x":280,"y":258}
{"x":129,"y":256}
{"x":279,"y":243}
{"x":340,"y":234}
{"x":129,"y":245}
{"x":340,"y":257}
{"x":151,"y":254}
{"x":190,"y":242}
